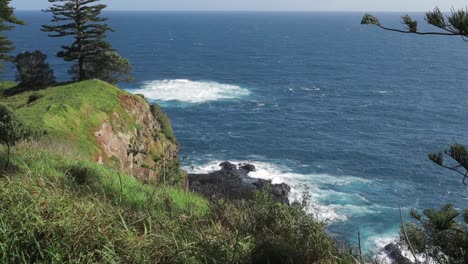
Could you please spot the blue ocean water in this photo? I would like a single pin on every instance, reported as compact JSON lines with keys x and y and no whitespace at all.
{"x":317,"y":100}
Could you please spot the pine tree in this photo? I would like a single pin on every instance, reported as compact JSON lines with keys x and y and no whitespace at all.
{"x":81,"y":20}
{"x":438,"y":234}
{"x":455,"y":24}
{"x":7,"y":22}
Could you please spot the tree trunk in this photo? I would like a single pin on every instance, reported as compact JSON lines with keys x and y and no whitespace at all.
{"x":81,"y":69}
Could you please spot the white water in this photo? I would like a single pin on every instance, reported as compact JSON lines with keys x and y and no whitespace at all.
{"x":300,"y":183}
{"x":190,"y":91}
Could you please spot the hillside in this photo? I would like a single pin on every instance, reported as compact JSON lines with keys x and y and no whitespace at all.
{"x":105,"y":124}
{"x":103,"y":185}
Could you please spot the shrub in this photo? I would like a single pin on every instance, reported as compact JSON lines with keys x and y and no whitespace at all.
{"x":33,"y":71}
{"x":164,"y":121}
{"x":108,"y":66}
{"x":281,"y":234}
{"x":439,"y":234}
{"x":12,"y":130}
{"x":34,"y":97}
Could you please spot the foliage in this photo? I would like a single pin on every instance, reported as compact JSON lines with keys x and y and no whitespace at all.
{"x":12,"y":130}
{"x":281,"y":234}
{"x":108,"y":66}
{"x":440,"y":235}
{"x":54,"y":209}
{"x":34,"y":97}
{"x":81,"y":20}
{"x":7,"y":22}
{"x":164,"y":121}
{"x":33,"y":71}
{"x":454,"y":25}
{"x":459,"y":154}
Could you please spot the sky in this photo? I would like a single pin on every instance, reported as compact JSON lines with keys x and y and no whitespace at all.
{"x":264,"y":5}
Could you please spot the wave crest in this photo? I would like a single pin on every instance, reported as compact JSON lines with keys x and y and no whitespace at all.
{"x":326,"y":205}
{"x":188,"y":91}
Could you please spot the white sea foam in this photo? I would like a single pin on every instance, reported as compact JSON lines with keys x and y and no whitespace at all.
{"x":190,"y":91}
{"x":378,"y":243}
{"x":305,"y":182}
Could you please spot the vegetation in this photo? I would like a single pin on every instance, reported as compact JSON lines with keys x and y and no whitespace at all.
{"x":58,"y":206}
{"x":7,"y":22}
{"x":439,"y":235}
{"x":81,"y":20}
{"x":33,"y":71}
{"x":108,"y":66}
{"x":12,"y":130}
{"x":282,"y":234}
{"x":55,"y":209}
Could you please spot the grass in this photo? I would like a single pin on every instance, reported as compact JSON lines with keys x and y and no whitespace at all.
{"x":71,"y":112}
{"x":58,"y":206}
{"x":48,"y":216}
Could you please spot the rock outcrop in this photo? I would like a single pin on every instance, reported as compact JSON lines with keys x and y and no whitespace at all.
{"x":135,"y":142}
{"x":232,"y":182}
{"x":394,"y":252}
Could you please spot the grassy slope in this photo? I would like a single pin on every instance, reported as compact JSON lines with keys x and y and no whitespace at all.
{"x":56,"y":206}
{"x":70,"y":112}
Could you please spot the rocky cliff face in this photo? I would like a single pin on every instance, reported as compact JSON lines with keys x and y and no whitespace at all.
{"x":135,"y":141}
{"x":104,"y":123}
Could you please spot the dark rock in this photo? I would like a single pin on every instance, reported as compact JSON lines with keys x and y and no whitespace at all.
{"x":394,"y":252}
{"x":247,"y":167}
{"x":227,"y":166}
{"x":233,"y":182}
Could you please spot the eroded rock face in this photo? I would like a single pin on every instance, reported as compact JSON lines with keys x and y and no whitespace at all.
{"x":232,"y":182}
{"x":134,"y":142}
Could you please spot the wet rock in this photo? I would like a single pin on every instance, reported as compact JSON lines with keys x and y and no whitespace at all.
{"x":233,"y":182}
{"x":394,"y":252}
{"x":247,"y":167}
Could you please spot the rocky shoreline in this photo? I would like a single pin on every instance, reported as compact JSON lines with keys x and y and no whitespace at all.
{"x":232,"y":181}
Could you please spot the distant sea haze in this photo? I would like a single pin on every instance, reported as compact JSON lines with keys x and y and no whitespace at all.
{"x":316,"y":100}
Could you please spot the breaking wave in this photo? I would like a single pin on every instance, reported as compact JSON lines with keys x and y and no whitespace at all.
{"x":188,"y":91}
{"x":324,"y":203}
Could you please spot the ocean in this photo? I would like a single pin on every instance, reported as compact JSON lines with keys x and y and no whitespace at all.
{"x":344,"y":111}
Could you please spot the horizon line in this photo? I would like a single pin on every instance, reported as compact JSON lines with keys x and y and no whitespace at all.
{"x":254,"y":11}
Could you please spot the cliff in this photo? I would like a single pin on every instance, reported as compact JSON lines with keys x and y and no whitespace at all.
{"x":105,"y":124}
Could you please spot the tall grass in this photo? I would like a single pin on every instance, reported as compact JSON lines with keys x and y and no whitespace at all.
{"x":55,"y":208}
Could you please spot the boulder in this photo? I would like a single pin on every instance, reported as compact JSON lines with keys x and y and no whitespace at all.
{"x":394,"y":252}
{"x":233,"y":182}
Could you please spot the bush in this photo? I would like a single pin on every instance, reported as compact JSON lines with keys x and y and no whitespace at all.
{"x":34,"y":97}
{"x":280,"y":233}
{"x":33,"y":71}
{"x":108,"y":66}
{"x":439,"y":234}
{"x":12,"y":130}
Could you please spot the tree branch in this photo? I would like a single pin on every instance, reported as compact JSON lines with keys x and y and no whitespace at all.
{"x":422,"y":33}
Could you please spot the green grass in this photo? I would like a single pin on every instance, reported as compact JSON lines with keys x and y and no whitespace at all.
{"x":49,"y":216}
{"x":58,"y":206}
{"x":71,"y":112}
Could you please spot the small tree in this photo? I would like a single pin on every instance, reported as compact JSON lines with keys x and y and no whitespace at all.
{"x":7,"y":22}
{"x":12,"y":130}
{"x":108,"y":66}
{"x":33,"y":71}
